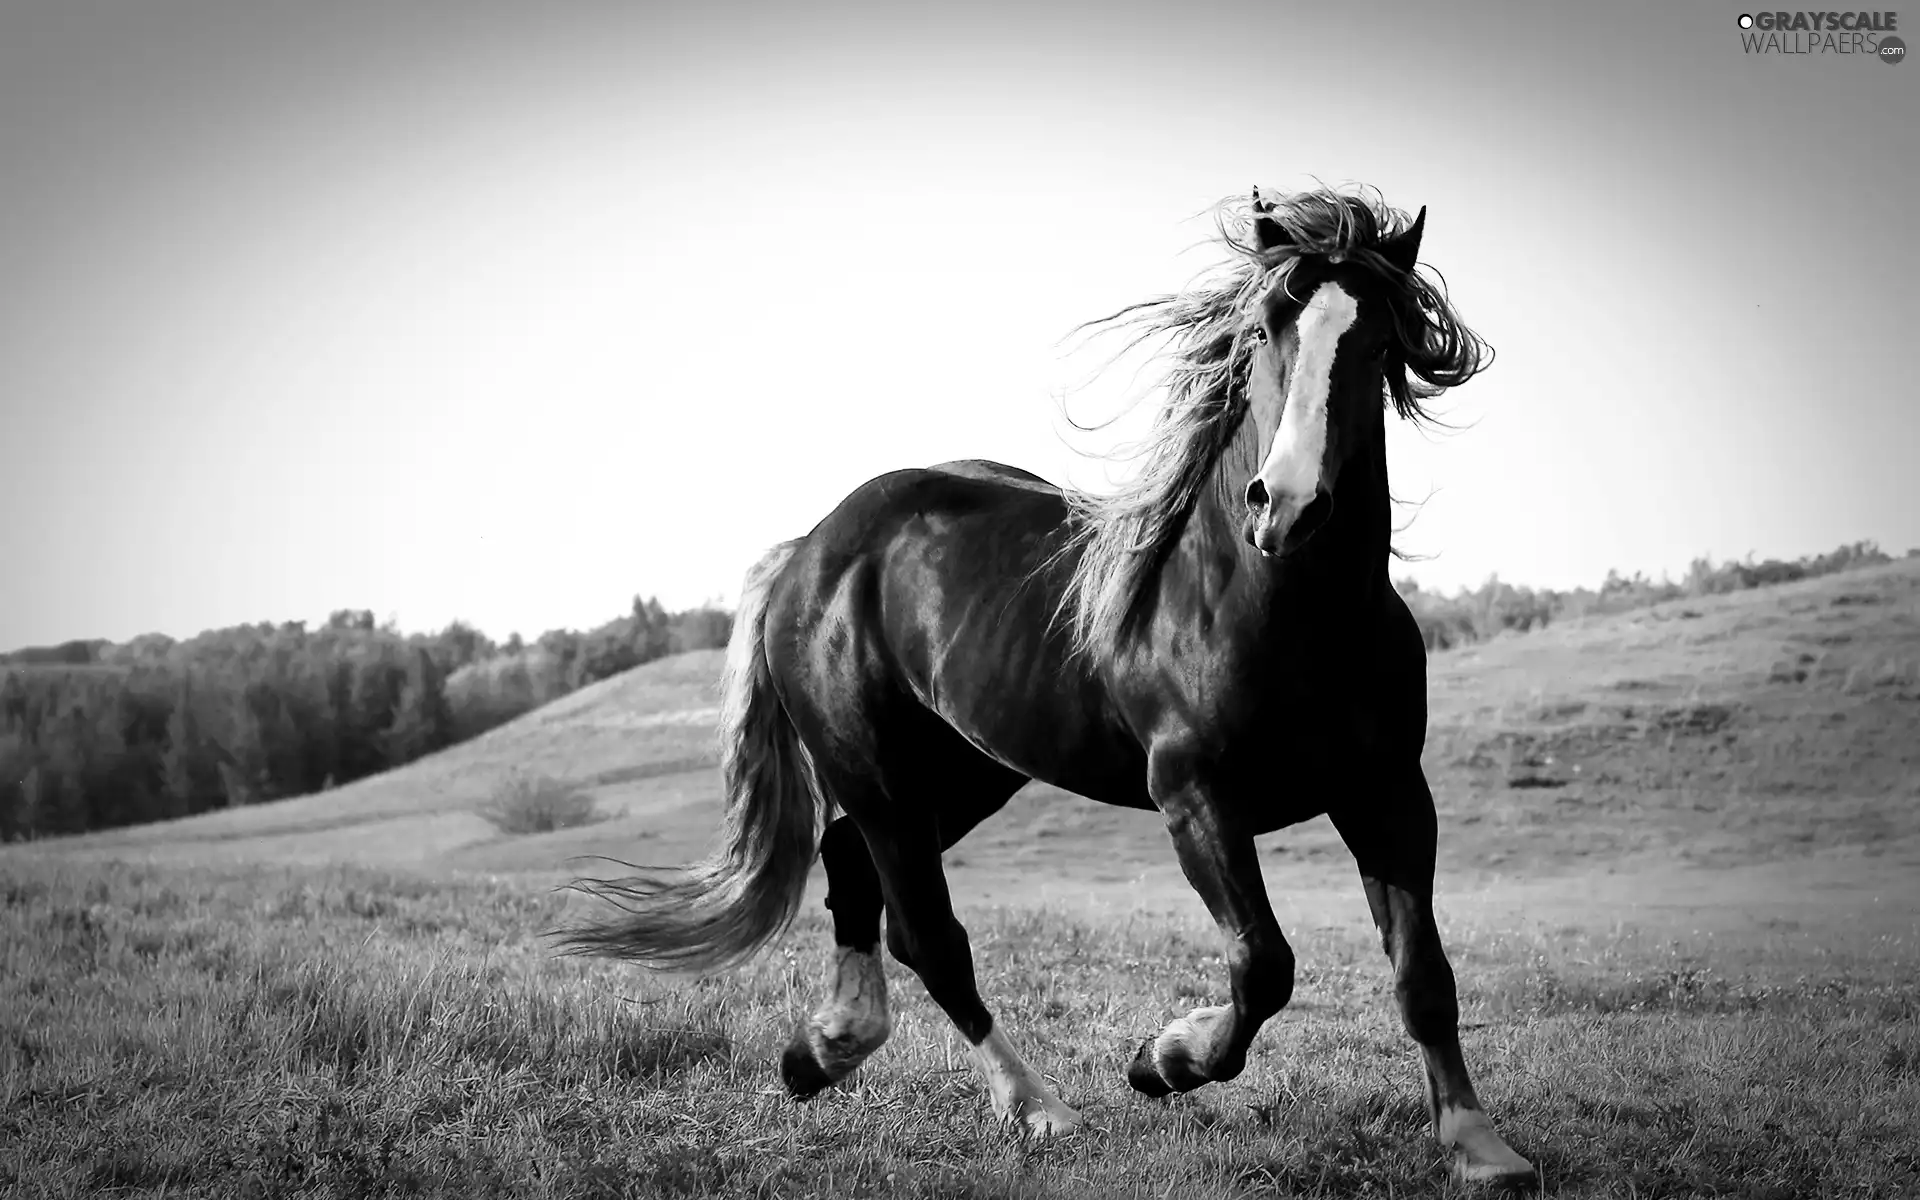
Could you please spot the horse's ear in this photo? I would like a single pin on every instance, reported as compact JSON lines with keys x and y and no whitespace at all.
{"x":1268,"y":234}
{"x":1403,"y":250}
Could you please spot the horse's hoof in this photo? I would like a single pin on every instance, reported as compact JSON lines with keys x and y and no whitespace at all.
{"x":1498,"y":1177}
{"x":1046,"y":1117}
{"x":801,"y":1071}
{"x":1145,"y":1076}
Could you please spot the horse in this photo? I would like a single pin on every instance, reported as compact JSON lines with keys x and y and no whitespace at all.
{"x":1217,"y":641}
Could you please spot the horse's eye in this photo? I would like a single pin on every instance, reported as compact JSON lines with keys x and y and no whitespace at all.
{"x":1256,"y":335}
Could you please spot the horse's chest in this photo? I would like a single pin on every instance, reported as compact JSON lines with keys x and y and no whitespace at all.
{"x":1302,"y":725}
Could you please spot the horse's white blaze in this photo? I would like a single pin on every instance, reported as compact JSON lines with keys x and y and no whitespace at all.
{"x":1017,"y":1093}
{"x":1292,"y":470}
{"x":854,"y":1021}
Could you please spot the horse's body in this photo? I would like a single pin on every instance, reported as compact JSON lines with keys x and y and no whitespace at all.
{"x":897,"y":571}
{"x":939,"y":583}
{"x":1221,"y":644}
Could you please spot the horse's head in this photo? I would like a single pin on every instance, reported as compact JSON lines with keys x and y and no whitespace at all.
{"x":1326,"y":335}
{"x":1318,"y":322}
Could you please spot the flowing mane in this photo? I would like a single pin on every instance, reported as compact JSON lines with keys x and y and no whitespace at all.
{"x":1125,"y":537}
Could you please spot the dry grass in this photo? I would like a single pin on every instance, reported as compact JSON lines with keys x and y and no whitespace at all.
{"x":347,"y":1033}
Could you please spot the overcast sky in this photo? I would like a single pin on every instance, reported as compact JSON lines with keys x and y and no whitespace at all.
{"x":506,"y":313}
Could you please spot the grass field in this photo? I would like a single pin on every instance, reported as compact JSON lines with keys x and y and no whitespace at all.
{"x":1679,"y":864}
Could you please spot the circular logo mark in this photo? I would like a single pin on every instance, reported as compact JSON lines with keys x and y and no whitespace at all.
{"x":1892,"y":49}
{"x":1746,"y":20}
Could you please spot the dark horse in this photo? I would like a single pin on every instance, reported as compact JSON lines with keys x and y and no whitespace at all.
{"x":1218,"y":641}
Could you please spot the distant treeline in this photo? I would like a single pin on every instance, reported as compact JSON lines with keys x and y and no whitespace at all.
{"x":94,"y":734}
{"x":1474,"y":616}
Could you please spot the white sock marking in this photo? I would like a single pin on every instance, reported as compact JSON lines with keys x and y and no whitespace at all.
{"x":854,"y":1021}
{"x":1017,"y":1093}
{"x":1190,"y":1036}
{"x":1480,"y":1155}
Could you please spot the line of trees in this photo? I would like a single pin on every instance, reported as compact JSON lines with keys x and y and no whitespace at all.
{"x":1495,"y":606}
{"x":94,"y":734}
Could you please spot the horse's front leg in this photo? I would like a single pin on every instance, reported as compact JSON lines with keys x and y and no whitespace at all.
{"x":1210,"y":1044}
{"x":1393,"y":840}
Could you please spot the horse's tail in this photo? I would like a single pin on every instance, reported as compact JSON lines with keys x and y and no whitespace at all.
{"x":718,"y":913}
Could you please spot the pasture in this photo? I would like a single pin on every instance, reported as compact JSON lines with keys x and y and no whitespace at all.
{"x":1679,"y":854}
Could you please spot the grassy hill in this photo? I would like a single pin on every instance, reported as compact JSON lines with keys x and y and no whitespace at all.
{"x":1724,"y":730}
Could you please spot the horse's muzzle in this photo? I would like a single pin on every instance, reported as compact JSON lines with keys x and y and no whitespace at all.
{"x":1281,"y":527}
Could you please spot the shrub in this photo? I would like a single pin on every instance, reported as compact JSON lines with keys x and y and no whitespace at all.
{"x":539,"y":804}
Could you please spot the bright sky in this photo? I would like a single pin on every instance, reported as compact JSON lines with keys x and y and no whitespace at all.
{"x":507,"y":312}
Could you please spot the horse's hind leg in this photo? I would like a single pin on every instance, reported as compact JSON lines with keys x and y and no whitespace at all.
{"x":1394,"y":845}
{"x":924,"y":933}
{"x":854,"y":1021}
{"x":936,"y":791}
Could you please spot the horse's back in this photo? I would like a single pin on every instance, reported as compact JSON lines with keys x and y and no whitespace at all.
{"x":987,"y":470}
{"x":934,"y":591}
{"x":970,"y":504}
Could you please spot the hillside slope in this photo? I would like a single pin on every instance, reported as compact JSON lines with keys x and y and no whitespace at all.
{"x":1723,"y":730}
{"x":641,"y":739}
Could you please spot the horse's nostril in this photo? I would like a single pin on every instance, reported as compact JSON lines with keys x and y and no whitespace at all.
{"x":1256,"y":494}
